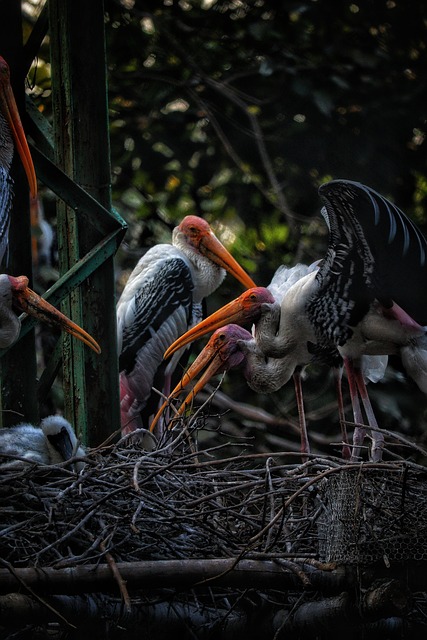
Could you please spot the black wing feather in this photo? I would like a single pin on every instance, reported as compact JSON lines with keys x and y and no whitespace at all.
{"x":156,"y":300}
{"x":375,"y":252}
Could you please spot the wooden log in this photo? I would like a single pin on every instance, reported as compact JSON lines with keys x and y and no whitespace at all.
{"x":172,"y":573}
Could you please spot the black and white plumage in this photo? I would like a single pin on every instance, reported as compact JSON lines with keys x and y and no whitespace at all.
{"x":366,"y":299}
{"x":51,"y":443}
{"x":370,"y":296}
{"x":277,"y":351}
{"x":162,"y":298}
{"x":11,"y":136}
{"x":371,"y":284}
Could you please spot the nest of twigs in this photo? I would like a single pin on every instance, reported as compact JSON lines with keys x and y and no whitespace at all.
{"x":170,"y":503}
{"x":211,"y":533}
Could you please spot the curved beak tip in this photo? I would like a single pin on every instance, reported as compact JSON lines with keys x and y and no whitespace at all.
{"x":29,"y":302}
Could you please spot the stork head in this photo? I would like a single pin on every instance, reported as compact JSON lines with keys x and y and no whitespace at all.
{"x":196,"y":232}
{"x":27,"y":301}
{"x":244,"y":309}
{"x":221,"y":353}
{"x":63,"y":443}
{"x":11,"y":114}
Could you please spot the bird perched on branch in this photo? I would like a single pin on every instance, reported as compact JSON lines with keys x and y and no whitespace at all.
{"x":366,"y":298}
{"x":51,"y":443}
{"x":11,"y":136}
{"x":161,"y":300}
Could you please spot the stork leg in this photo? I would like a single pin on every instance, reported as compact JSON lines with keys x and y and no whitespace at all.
{"x":377,"y":437}
{"x":359,"y":431}
{"x":305,"y":446}
{"x":357,"y":388}
{"x":345,"y":451}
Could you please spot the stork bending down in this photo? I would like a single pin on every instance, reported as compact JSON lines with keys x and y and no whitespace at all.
{"x":161,"y":300}
{"x":367,"y":298}
{"x":267,"y":366}
{"x":226,"y":349}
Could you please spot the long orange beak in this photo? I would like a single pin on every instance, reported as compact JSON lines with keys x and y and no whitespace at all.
{"x":220,"y":354}
{"x":213,"y":249}
{"x":207,"y":356}
{"x":11,"y":113}
{"x":241,"y":310}
{"x":27,"y":301}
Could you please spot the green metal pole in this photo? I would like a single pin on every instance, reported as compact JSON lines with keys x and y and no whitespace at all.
{"x":79,"y":90}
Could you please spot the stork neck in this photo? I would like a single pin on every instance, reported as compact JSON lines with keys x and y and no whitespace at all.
{"x":207,"y":276}
{"x":10,"y":326}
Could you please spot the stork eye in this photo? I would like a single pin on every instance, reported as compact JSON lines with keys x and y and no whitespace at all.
{"x":253,"y":296}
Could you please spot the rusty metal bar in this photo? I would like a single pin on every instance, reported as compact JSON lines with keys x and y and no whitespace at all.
{"x":82,"y":151}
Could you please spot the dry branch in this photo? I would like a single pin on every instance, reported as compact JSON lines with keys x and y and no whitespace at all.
{"x":199,"y":542}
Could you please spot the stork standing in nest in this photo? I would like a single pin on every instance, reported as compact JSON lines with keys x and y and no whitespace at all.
{"x":366,"y":298}
{"x":161,"y":300}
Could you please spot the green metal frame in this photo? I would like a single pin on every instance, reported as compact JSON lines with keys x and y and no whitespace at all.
{"x":71,"y":153}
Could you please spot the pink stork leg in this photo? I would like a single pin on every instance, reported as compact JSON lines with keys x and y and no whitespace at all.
{"x":305,"y":446}
{"x":345,"y":451}
{"x":357,"y":388}
{"x":377,"y":437}
{"x":359,"y":431}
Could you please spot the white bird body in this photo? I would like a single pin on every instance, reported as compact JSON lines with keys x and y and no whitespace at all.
{"x":382,"y":331}
{"x":162,"y":300}
{"x":51,"y":443}
{"x":147,"y":281}
{"x":284,"y":332}
{"x":283,"y":329}
{"x":205,"y":276}
{"x":414,"y":360}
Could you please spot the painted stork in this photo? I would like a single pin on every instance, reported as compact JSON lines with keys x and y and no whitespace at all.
{"x":14,"y":291}
{"x":220,"y":354}
{"x":51,"y":443}
{"x":16,"y":295}
{"x":11,"y":135}
{"x":267,"y":367}
{"x":161,"y":300}
{"x":365,"y":299}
